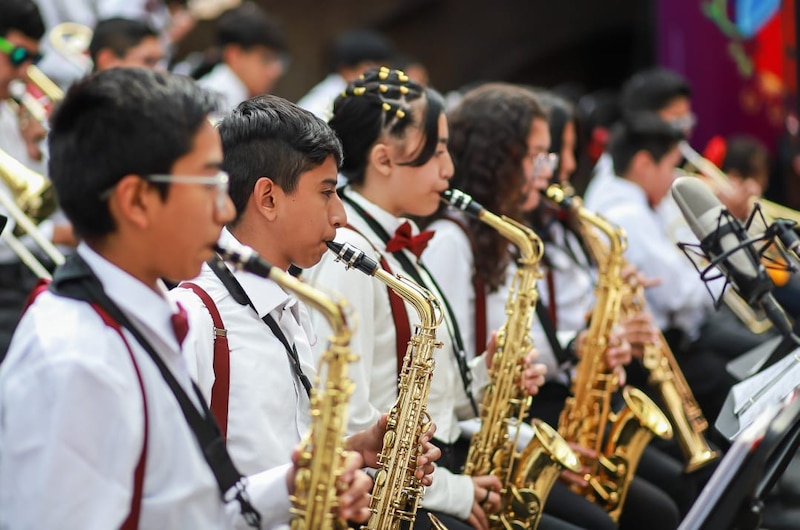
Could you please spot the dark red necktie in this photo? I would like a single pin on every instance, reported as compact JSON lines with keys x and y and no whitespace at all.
{"x":403,"y":239}
{"x":180,"y":324}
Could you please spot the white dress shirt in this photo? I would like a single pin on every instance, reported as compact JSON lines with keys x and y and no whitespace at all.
{"x":224,"y":82}
{"x":681,"y":299}
{"x":319,"y":100}
{"x":268,"y":407}
{"x":375,"y":374}
{"x":450,"y":260}
{"x":71,"y":422}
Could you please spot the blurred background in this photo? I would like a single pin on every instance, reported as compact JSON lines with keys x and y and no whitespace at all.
{"x":739,"y":55}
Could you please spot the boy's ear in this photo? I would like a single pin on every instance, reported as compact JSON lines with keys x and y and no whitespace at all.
{"x":130,"y":200}
{"x":265,"y":197}
{"x":641,"y":164}
{"x":380,"y":159}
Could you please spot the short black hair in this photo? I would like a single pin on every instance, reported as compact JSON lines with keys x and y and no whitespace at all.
{"x":652,"y":90}
{"x":357,"y":46}
{"x":115,"y":123}
{"x":268,"y":136}
{"x":248,"y":25}
{"x":644,"y":131}
{"x":381,"y":101}
{"x":746,"y":155}
{"x":119,"y":35}
{"x":23,"y":16}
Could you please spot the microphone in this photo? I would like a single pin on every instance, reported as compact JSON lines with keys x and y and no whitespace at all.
{"x":728,"y":246}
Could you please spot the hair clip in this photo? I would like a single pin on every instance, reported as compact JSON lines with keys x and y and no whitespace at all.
{"x":402,"y":77}
{"x":400,"y":114}
{"x":383,"y":89}
{"x":359,"y":91}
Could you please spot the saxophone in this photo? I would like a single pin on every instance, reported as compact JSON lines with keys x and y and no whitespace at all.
{"x":397,"y":490}
{"x":586,"y":414}
{"x":322,"y":454}
{"x":667,"y":378}
{"x":527,"y":477}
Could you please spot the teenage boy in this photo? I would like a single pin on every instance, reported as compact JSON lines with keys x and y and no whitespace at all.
{"x":125,"y":42}
{"x":282,"y":162}
{"x":100,"y":423}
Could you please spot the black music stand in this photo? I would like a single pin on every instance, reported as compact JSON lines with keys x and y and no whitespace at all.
{"x":733,"y":498}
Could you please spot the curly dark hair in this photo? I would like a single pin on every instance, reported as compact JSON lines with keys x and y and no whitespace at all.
{"x":489,"y":131}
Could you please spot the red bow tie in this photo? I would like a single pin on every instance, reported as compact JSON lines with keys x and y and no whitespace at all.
{"x":403,"y":239}
{"x":180,"y":324}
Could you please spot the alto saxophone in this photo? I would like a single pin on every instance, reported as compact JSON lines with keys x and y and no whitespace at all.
{"x":527,"y":476}
{"x":397,"y":490}
{"x":322,"y":454}
{"x":667,"y":378}
{"x":587,"y":412}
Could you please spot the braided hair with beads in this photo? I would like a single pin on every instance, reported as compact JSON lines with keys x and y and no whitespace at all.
{"x":381,"y":102}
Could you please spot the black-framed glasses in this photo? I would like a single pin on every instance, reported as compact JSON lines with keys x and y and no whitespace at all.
{"x":18,"y":54}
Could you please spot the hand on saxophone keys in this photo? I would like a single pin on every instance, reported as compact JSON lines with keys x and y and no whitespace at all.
{"x":354,"y":487}
{"x":368,"y":443}
{"x":486,"y":500}
{"x":533,"y":373}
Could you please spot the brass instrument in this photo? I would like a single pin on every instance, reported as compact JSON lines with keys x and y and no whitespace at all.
{"x":322,"y":456}
{"x":527,"y":476}
{"x":667,"y":377}
{"x":32,"y":200}
{"x":69,"y":39}
{"x":587,"y":412}
{"x":397,"y":490}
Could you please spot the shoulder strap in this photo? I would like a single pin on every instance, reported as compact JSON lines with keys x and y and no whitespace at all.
{"x":220,"y":390}
{"x":132,"y":520}
{"x":399,"y":314}
{"x":238,"y":293}
{"x":76,"y":280}
{"x":451,"y":324}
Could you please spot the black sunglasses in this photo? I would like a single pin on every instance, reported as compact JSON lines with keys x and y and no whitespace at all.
{"x":18,"y":54}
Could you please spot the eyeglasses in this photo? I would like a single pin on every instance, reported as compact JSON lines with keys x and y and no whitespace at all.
{"x":544,"y":162}
{"x":684,"y":123}
{"x":218,"y":181}
{"x":18,"y":54}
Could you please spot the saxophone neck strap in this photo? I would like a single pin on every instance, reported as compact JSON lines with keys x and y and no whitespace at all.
{"x":76,"y":280}
{"x":238,"y":293}
{"x":413,"y":270}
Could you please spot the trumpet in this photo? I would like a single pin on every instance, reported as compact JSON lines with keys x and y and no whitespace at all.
{"x":33,"y":200}
{"x":70,"y":40}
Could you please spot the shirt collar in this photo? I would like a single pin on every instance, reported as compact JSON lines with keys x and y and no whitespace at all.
{"x":134,"y":298}
{"x":265,"y":294}
{"x":389,"y":222}
{"x":234,"y":90}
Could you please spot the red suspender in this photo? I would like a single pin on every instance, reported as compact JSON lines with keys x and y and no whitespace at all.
{"x":478,"y":285}
{"x":480,"y":314}
{"x":399,"y":314}
{"x":132,"y":520}
{"x":222,"y":360}
{"x":551,"y":290}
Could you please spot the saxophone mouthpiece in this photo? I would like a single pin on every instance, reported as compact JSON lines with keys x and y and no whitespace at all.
{"x":245,"y":258}
{"x":556,"y":194}
{"x":462,"y":201}
{"x":353,"y":258}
